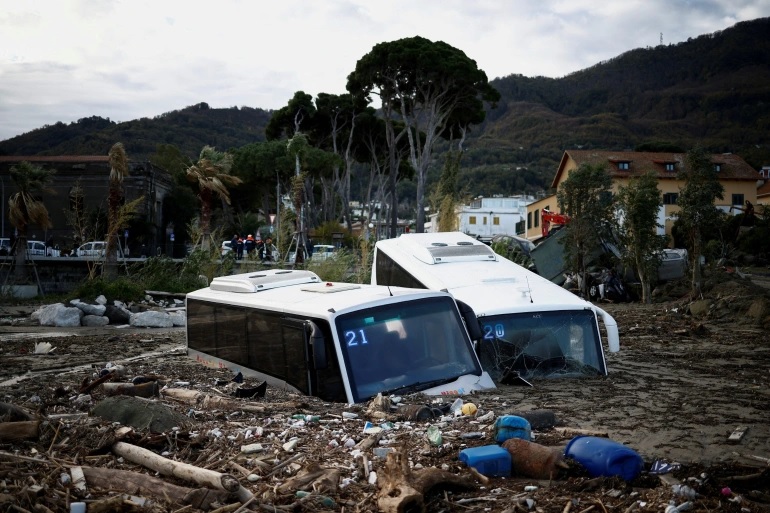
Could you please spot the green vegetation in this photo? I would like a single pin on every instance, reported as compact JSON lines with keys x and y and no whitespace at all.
{"x":639,"y":203}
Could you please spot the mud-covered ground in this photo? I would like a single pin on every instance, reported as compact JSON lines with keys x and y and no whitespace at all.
{"x":677,"y":390}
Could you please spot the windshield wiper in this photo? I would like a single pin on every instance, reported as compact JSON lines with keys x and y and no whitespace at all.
{"x":416,"y":387}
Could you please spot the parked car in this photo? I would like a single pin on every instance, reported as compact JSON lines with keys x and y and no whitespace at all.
{"x":673,"y":265}
{"x":227,"y":246}
{"x":92,"y":249}
{"x":323,"y":252}
{"x":97,"y":249}
{"x":5,"y":246}
{"x":35,"y":248}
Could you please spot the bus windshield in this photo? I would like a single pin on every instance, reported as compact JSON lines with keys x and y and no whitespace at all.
{"x":405,"y":347}
{"x":539,"y":344}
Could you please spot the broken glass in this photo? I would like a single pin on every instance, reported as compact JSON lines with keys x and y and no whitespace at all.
{"x":405,"y":347}
{"x":541,"y":344}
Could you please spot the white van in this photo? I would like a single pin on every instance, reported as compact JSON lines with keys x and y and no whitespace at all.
{"x":340,"y":342}
{"x":35,"y":248}
{"x":531,"y":326}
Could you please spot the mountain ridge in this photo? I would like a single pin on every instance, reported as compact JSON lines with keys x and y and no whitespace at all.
{"x":711,"y":91}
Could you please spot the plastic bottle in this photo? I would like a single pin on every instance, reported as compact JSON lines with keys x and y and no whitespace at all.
{"x":685,"y":506}
{"x":306,"y":418}
{"x":684,"y":491}
{"x":457,"y":407}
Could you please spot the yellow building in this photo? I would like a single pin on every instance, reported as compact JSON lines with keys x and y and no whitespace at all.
{"x":763,"y":194}
{"x":737,"y":177}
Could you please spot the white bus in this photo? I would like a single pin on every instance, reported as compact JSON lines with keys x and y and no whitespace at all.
{"x":341,"y":342}
{"x":530,"y":326}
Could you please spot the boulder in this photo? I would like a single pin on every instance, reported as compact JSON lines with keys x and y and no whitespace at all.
{"x":700,"y":308}
{"x":60,"y":315}
{"x":151,"y":319}
{"x":91,"y":309}
{"x":140,"y":413}
{"x":179,"y":318}
{"x":117,"y":314}
{"x":94,"y":320}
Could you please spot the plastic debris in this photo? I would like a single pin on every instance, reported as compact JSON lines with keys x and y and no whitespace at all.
{"x":684,"y":491}
{"x":434,"y":436}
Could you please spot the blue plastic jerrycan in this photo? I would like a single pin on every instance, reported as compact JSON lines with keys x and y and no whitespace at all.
{"x":512,"y":426}
{"x":489,"y":460}
{"x":604,"y":457}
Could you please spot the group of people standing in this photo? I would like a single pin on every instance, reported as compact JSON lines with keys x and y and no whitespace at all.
{"x":254,"y":247}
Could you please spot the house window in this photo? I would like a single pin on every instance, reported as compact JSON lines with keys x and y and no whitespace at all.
{"x":717,"y":167}
{"x":670,"y":166}
{"x":529,"y":218}
{"x":496,"y":221}
{"x":537,"y":218}
{"x":624,"y":166}
{"x":472,"y":220}
{"x":670,"y":198}
{"x":485,"y":220}
{"x":737,"y":199}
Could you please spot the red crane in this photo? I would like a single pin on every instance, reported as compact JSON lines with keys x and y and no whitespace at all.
{"x":548,"y":218}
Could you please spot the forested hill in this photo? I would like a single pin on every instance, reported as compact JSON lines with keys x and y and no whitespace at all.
{"x":713,"y":90}
{"x":188,"y":129}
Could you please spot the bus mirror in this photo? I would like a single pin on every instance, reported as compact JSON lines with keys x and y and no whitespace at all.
{"x":317,"y":346}
{"x":471,"y":321}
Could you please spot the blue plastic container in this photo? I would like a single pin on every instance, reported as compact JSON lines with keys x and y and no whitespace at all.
{"x":511,"y":426}
{"x":604,"y":457}
{"x":489,"y":460}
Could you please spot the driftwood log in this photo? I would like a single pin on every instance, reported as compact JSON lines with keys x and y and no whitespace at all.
{"x":134,"y":483}
{"x":403,"y":490}
{"x":12,"y":413}
{"x":219,"y":402}
{"x":167,"y":467}
{"x":313,"y":477}
{"x":149,"y":389}
{"x":22,"y":430}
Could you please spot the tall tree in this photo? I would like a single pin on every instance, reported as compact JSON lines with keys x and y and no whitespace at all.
{"x":26,"y":207}
{"x":697,"y":212}
{"x":446,"y":193}
{"x":586,"y":197}
{"x":430,"y":87}
{"x":118,"y":170}
{"x":212,"y":175}
{"x":639,"y":203}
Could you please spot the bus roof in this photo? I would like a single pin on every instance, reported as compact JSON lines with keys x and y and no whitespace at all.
{"x":301,"y":292}
{"x":476,"y":275}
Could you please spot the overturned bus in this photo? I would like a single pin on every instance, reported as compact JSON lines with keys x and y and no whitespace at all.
{"x":530,"y":326}
{"x":340,"y":342}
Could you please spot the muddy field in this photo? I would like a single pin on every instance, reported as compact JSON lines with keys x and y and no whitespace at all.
{"x":678,"y":389}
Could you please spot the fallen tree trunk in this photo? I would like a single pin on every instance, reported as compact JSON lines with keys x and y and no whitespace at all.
{"x":12,"y":413}
{"x":167,"y":467}
{"x":403,"y":490}
{"x":218,"y":402}
{"x":149,"y":389}
{"x":22,"y":430}
{"x":134,"y":483}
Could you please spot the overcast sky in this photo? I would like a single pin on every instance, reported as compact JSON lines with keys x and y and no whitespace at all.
{"x":62,"y":60}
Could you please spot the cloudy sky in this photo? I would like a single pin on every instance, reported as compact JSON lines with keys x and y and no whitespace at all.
{"x":62,"y":60}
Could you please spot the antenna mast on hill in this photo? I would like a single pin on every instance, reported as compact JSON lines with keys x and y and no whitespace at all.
{"x":661,"y":38}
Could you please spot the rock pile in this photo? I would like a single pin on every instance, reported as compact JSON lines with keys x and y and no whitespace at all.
{"x":146,"y":314}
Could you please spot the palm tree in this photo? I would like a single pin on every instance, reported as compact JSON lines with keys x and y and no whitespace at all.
{"x":25,"y":207}
{"x":118,"y":171}
{"x":212,"y":174}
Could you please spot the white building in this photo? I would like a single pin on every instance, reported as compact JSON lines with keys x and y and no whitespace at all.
{"x":486,"y":217}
